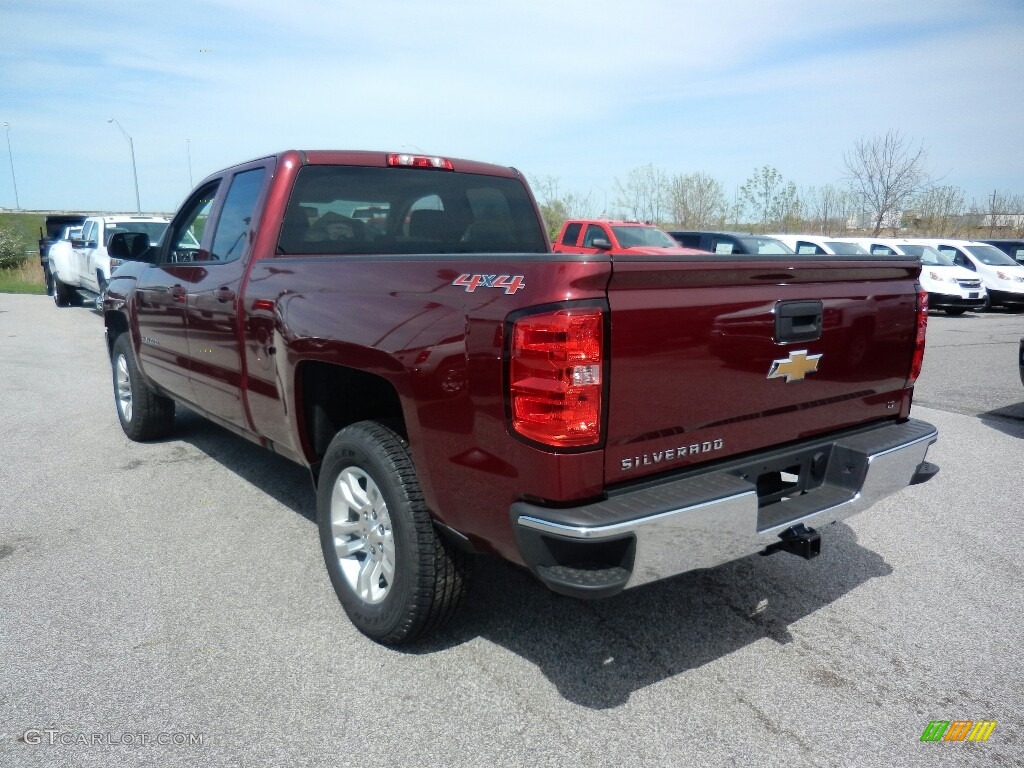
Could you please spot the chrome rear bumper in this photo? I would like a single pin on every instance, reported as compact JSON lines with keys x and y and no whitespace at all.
{"x":703,"y":520}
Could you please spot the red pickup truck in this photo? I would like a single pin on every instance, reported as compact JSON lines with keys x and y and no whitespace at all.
{"x":620,"y":238}
{"x":456,"y":388}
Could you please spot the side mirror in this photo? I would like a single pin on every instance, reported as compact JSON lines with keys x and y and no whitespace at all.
{"x":130,"y":246}
{"x":600,"y":243}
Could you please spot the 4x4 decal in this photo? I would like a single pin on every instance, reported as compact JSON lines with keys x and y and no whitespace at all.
{"x":510,"y":283}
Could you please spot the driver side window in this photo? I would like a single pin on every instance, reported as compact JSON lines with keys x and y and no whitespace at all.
{"x":186,"y":237}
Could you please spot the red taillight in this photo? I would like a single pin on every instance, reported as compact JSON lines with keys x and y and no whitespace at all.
{"x":922,"y":327}
{"x":555,"y":377}
{"x":420,"y":161}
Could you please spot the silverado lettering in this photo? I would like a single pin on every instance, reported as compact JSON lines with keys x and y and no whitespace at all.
{"x":310,"y":302}
{"x":670,"y":454}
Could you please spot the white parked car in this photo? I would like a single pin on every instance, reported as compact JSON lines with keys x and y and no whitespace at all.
{"x":61,"y":248}
{"x":823,"y":244}
{"x":950,"y":288}
{"x":86,"y":265}
{"x":1002,"y":277}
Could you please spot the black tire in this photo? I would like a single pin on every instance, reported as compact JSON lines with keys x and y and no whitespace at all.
{"x":144,"y":414}
{"x":421,"y":587}
{"x":64,"y":295}
{"x":955,"y":311}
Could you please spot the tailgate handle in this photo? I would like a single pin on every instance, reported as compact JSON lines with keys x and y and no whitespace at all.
{"x":797,"y":321}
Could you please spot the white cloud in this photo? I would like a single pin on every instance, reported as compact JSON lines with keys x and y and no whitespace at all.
{"x":583,"y":91}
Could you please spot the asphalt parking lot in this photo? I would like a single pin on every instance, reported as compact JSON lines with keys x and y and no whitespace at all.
{"x":174,"y":592}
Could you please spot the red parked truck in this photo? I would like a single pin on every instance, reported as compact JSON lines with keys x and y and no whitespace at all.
{"x":622,"y":238}
{"x":455,"y":387}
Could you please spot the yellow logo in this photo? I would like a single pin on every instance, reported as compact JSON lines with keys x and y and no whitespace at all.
{"x":794,"y":367}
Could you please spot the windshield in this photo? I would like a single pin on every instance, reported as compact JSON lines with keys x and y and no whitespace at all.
{"x":991,"y":256}
{"x":845,"y":249}
{"x":928,"y":255}
{"x":643,"y":237}
{"x":765,"y":245}
{"x":154,"y":229}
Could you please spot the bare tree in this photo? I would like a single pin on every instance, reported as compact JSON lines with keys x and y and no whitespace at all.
{"x":887,"y":173}
{"x":826,"y":209}
{"x":697,"y":201}
{"x":941,"y":212}
{"x":1002,"y":211}
{"x":644,"y":195}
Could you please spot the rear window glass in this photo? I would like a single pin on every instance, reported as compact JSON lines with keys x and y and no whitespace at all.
{"x":337,"y":209}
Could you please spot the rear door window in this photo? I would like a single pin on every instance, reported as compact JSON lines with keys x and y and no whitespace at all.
{"x":802,"y":246}
{"x":235,"y":225}
{"x":572,"y":234}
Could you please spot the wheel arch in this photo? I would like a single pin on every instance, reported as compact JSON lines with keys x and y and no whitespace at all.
{"x":115,"y":324}
{"x":330,"y":397}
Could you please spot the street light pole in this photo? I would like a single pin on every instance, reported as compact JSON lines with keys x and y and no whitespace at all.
{"x":10,"y":156}
{"x":135,"y":174}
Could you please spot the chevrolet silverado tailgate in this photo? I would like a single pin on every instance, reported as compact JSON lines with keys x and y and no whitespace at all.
{"x":720,"y":357}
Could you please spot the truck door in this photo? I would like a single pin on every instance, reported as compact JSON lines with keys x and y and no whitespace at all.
{"x":213,"y":300}
{"x":82,"y":251}
{"x":161,"y":293}
{"x":88,"y":267}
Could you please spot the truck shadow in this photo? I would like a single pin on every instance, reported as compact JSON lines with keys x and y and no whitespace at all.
{"x":278,"y":477}
{"x":597,"y":654}
{"x":1009,"y":420}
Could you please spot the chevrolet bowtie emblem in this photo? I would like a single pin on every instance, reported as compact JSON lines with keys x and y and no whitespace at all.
{"x":794,"y":367}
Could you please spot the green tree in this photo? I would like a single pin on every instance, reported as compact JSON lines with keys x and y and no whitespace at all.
{"x":774,"y":201}
{"x":12,"y":249}
{"x":555,"y":206}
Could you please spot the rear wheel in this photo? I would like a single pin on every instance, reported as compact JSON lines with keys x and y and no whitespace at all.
{"x":144,"y":414}
{"x":64,"y":295}
{"x":396,"y":578}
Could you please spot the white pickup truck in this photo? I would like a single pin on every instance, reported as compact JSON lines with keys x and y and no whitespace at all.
{"x":84,"y":264}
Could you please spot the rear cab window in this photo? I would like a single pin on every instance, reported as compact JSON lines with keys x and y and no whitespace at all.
{"x":337,"y":209}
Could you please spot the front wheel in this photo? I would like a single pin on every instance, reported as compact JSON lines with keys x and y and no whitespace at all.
{"x":144,"y":414}
{"x":396,"y":578}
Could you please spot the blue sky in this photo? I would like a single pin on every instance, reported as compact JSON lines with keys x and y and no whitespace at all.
{"x":580,"y":91}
